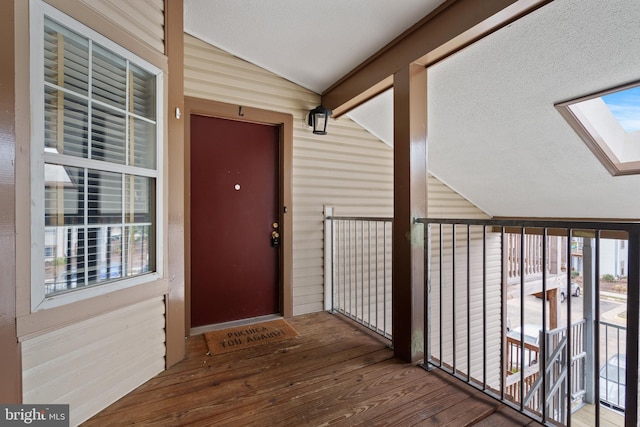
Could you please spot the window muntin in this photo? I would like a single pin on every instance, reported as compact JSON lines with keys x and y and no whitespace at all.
{"x":100,"y":162}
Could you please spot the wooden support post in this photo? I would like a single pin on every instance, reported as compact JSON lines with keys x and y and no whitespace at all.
{"x":175,"y":329}
{"x":552,"y":297}
{"x":410,"y":202}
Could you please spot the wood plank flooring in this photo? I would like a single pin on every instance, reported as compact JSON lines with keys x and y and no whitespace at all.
{"x":334,"y":373}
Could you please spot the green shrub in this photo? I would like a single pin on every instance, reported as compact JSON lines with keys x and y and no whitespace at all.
{"x":608,"y":277}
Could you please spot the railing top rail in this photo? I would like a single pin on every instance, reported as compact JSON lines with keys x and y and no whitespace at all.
{"x":578,"y":225}
{"x":359,"y":218}
{"x":612,"y":325}
{"x":562,"y":329}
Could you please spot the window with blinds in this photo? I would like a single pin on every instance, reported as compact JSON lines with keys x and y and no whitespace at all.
{"x":100,"y":162}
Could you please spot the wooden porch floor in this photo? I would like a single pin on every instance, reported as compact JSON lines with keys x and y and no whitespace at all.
{"x":334,"y":373}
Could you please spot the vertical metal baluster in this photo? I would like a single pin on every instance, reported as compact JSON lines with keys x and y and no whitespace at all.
{"x":543,"y":350}
{"x":596,"y":330}
{"x":343,"y":270}
{"x":349,"y":311}
{"x":503,"y":307}
{"x":369,"y":270}
{"x":484,"y":307}
{"x":569,"y":331}
{"x":468,"y":303}
{"x":335,"y":267}
{"x":606,"y":354}
{"x":354,"y":312}
{"x":617,"y":365}
{"x":361,"y":268}
{"x":522,"y":236}
{"x":345,"y":250}
{"x":427,"y":296}
{"x":337,"y":271}
{"x":440,"y":297}
{"x":453,"y":299}
{"x":339,"y":257}
{"x":384,"y":278}
{"x":377,"y":268}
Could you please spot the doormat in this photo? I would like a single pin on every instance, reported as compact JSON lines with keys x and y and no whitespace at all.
{"x":226,"y":340}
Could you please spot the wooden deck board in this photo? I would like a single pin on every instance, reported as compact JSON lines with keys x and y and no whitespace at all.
{"x":334,"y":373}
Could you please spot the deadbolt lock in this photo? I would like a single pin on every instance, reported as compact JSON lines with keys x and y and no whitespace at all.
{"x":275,"y":236}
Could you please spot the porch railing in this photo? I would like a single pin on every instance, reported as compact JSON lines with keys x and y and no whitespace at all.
{"x":466,"y":315}
{"x":525,"y":256}
{"x":555,"y":395}
{"x":359,"y":259}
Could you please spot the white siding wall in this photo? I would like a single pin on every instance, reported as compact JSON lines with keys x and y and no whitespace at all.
{"x":91,"y":364}
{"x":348,"y":168}
{"x":142,"y":18}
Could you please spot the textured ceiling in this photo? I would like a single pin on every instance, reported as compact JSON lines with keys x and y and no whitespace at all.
{"x":494,"y":134}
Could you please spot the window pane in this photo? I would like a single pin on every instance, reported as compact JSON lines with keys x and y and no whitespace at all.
{"x":66,"y":62}
{"x":104,"y":197}
{"x":139,"y":199}
{"x":64,"y":195}
{"x":108,"y":135}
{"x":109,"y":78}
{"x":63,"y":272}
{"x":143,"y":93}
{"x":142,"y":145}
{"x":66,"y":123}
{"x":104,"y":254}
{"x":138,"y":245}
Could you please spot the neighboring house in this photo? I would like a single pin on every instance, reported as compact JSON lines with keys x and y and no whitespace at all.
{"x":614,"y":258}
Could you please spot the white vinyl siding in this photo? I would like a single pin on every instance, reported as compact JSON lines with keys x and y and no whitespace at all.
{"x":349,"y":168}
{"x":144,"y":19}
{"x":91,"y":364}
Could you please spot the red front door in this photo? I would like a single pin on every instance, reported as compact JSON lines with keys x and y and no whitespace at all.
{"x":234,"y":211}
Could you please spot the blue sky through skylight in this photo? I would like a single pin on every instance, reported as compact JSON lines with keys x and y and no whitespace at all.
{"x":625,"y":107}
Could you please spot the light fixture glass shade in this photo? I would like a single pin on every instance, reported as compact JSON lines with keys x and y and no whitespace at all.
{"x":318,"y":119}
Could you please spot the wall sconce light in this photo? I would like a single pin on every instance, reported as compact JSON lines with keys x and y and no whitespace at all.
{"x":318,"y":118}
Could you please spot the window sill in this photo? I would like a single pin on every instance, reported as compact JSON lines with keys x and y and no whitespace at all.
{"x":64,"y":312}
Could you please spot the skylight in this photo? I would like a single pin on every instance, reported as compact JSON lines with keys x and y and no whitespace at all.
{"x":609,"y":124}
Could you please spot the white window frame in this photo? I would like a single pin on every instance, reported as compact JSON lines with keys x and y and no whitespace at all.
{"x":39,"y":301}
